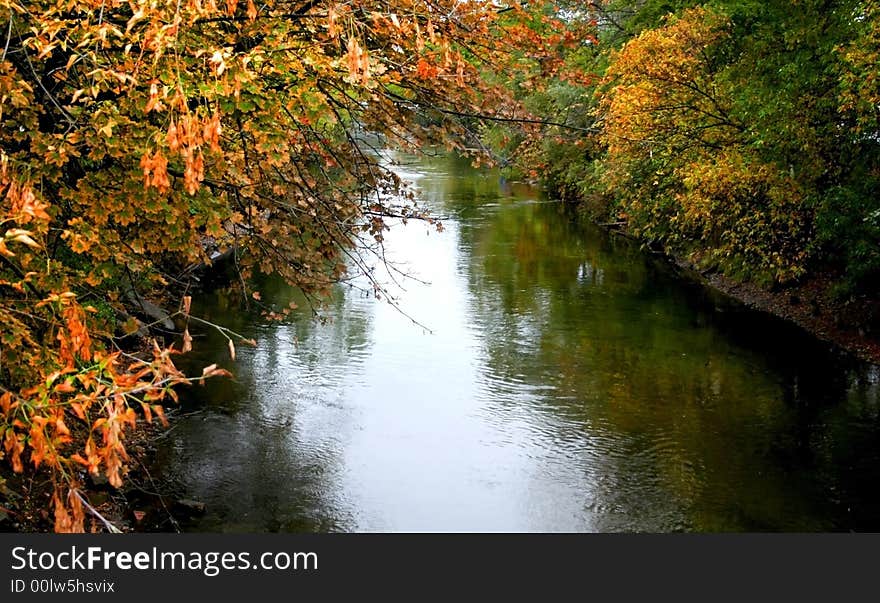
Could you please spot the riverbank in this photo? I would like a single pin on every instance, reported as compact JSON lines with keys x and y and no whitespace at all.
{"x":845,"y":324}
{"x":27,"y":497}
{"x":850,"y":325}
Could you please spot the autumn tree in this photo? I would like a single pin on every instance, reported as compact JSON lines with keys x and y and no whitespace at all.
{"x":136,"y":136}
{"x":552,"y":75}
{"x":736,"y":132}
{"x":678,"y":157}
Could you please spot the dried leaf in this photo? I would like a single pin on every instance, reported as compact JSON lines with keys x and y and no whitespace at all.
{"x":21,"y":236}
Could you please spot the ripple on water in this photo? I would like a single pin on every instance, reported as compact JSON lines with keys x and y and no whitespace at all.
{"x":566,"y":385}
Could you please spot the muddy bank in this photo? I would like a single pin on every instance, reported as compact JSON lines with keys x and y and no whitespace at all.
{"x":850,"y":325}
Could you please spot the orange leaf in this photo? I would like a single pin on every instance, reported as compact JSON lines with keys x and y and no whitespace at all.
{"x":160,"y":412}
{"x":425,"y":71}
{"x":64,"y":388}
{"x":78,"y":410}
{"x":61,"y":428}
{"x":6,"y":402}
{"x":14,"y":447}
{"x":79,"y":459}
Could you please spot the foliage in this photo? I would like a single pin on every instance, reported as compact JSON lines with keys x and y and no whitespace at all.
{"x":743,"y":134}
{"x":860,"y":95}
{"x":139,"y":136}
{"x":849,"y":215}
{"x":677,"y":155}
{"x":136,"y":135}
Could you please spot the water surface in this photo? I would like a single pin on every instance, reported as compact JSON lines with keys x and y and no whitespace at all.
{"x":557,"y":379}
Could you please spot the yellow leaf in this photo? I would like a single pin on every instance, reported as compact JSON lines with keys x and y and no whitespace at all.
{"x":218,"y":62}
{"x":46,"y":51}
{"x":107,"y":130}
{"x":140,"y":15}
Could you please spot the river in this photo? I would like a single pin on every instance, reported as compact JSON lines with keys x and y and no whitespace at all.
{"x":556,"y":378}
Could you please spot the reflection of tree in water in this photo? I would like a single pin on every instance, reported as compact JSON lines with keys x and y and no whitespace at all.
{"x":678,"y":415}
{"x":265,"y":450}
{"x":688,"y":414}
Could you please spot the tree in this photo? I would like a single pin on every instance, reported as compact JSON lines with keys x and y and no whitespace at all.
{"x":679,"y":159}
{"x":740,"y":133}
{"x":849,"y":215}
{"x":135,"y":133}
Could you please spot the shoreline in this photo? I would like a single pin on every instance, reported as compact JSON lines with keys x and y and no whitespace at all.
{"x":809,"y":305}
{"x":851,"y":327}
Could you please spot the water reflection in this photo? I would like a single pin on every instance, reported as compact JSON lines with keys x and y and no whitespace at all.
{"x":568,"y":381}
